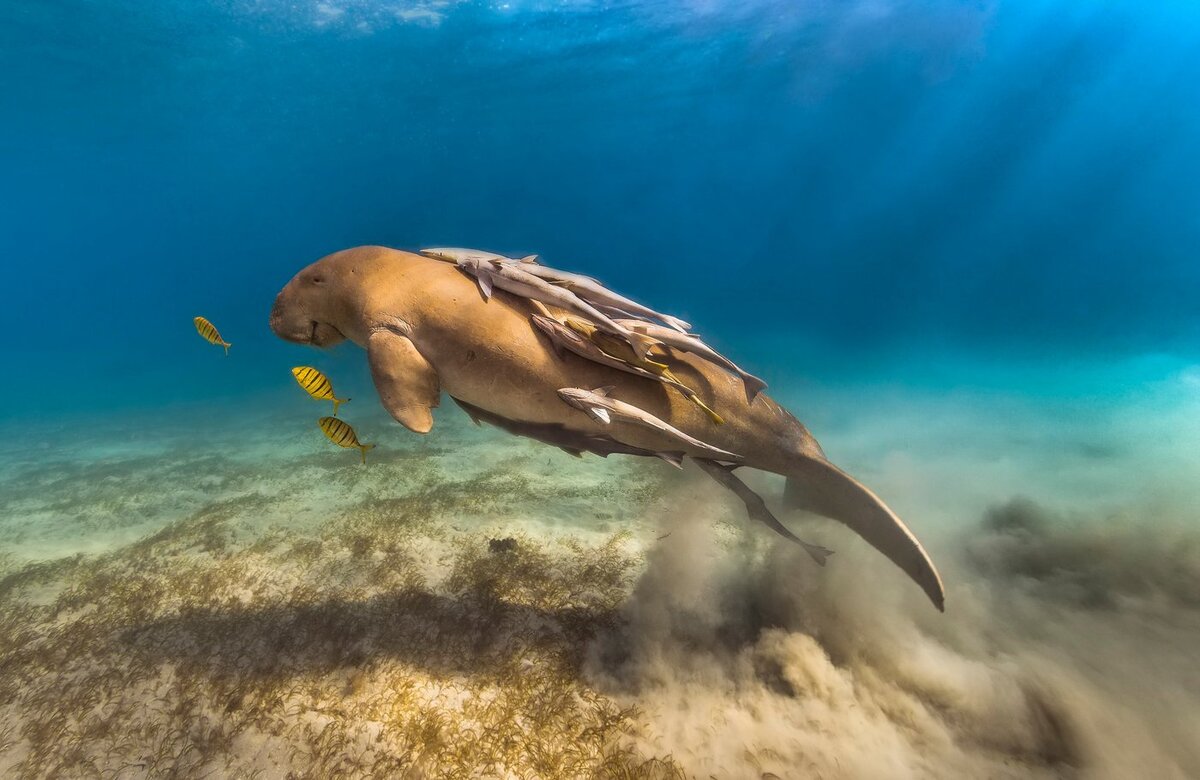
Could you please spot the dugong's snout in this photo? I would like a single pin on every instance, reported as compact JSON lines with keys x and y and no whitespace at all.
{"x":297,"y":315}
{"x":290,"y":322}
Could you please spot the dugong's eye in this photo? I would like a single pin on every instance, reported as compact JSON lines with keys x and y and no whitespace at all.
{"x":318,"y":280}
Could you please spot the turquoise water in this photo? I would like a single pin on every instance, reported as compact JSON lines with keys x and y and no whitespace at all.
{"x":959,"y":240}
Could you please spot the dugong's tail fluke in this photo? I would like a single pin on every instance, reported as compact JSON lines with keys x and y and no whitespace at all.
{"x":816,"y":485}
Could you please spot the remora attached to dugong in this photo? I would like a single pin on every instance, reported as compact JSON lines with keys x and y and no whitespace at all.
{"x":593,"y":291}
{"x":584,"y":286}
{"x":599,"y":405}
{"x":572,"y":334}
{"x":426,"y":330}
{"x":490,"y":273}
{"x":689,"y":342}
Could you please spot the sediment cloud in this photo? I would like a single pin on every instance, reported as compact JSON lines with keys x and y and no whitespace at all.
{"x":1067,"y":649}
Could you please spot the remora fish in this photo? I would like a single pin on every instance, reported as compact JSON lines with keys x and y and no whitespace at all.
{"x":619,"y":350}
{"x":507,"y":276}
{"x":453,"y":254}
{"x":591,"y":290}
{"x":341,"y":434}
{"x":569,"y":441}
{"x":600,"y":407}
{"x":757,"y":508}
{"x":563,"y":337}
{"x":209,"y":332}
{"x":317,"y":385}
{"x":690,"y":343}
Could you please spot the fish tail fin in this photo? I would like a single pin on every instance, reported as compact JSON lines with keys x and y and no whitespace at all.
{"x":817,"y":552}
{"x":753,"y":386}
{"x":364,"y":448}
{"x":641,"y":343}
{"x":338,"y":402}
{"x":227,"y":345}
{"x":677,"y":324}
{"x":818,"y":486}
{"x":674,"y":458}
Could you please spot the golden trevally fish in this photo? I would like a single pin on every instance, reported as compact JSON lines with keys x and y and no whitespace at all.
{"x":341,"y":434}
{"x":317,"y":385}
{"x":209,"y":332}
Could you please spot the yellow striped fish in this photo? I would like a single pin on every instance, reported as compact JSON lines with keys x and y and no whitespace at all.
{"x":317,"y":385}
{"x":342,"y":435}
{"x":209,"y":332}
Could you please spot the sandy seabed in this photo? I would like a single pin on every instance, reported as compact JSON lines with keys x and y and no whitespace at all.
{"x":203,"y":594}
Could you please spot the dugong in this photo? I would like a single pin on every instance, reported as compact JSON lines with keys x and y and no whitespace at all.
{"x":427,"y":331}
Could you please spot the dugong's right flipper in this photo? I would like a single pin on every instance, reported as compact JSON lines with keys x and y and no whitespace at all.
{"x":407,"y":384}
{"x":816,"y":485}
{"x":757,"y":508}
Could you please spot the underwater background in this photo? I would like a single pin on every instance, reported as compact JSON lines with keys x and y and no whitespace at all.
{"x":959,"y":240}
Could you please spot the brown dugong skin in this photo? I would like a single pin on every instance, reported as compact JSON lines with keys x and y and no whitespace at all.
{"x":428,"y":329}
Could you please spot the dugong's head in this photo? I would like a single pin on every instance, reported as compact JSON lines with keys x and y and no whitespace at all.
{"x":322,"y":304}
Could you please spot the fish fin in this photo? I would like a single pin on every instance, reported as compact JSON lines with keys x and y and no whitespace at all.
{"x":541,"y":308}
{"x":571,"y":450}
{"x":604,"y":391}
{"x":817,"y":552}
{"x":338,"y":402}
{"x":364,"y":448}
{"x":677,"y":324}
{"x":532,"y":259}
{"x":471,"y":411}
{"x":756,"y":508}
{"x":602,"y":415}
{"x":816,"y":485}
{"x":674,"y":458}
{"x":407,"y":384}
{"x":227,"y":346}
{"x":753,"y":386}
{"x":484,"y":279}
{"x":641,"y":343}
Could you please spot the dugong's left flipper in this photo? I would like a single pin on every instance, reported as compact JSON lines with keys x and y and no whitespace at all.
{"x":407,"y":384}
{"x":757,"y":508}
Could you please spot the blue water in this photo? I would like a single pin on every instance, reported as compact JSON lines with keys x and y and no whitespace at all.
{"x":869,"y":179}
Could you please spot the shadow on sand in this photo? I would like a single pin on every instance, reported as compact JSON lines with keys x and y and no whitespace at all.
{"x":470,"y":634}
